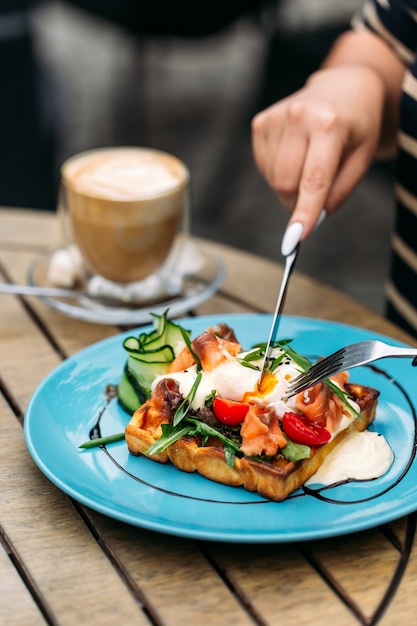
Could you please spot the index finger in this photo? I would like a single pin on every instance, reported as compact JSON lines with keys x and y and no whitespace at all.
{"x":319,"y":172}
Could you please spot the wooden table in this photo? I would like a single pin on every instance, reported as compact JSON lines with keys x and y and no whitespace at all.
{"x":62,"y":563}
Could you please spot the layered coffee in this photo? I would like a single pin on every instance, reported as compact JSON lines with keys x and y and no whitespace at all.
{"x":126,"y":207}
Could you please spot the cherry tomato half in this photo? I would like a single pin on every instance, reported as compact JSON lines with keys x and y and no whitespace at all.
{"x":229,"y":412}
{"x":302,"y":430}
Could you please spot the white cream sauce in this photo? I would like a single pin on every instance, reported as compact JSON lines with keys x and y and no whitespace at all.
{"x":360,"y":456}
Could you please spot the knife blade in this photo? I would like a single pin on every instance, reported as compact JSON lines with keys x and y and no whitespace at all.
{"x":289,"y":249}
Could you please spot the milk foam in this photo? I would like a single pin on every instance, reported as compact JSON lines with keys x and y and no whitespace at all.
{"x":125,"y":173}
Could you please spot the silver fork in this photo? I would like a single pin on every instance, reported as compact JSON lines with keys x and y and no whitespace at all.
{"x":350,"y":356}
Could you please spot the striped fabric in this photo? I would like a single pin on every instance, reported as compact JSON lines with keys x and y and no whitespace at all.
{"x":396,"y":22}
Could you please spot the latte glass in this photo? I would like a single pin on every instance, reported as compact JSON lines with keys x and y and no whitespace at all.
{"x":126,"y":210}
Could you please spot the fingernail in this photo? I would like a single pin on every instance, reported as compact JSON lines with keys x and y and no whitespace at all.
{"x":291,"y":238}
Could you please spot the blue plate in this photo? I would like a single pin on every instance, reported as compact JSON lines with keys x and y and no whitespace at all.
{"x":74,"y":398}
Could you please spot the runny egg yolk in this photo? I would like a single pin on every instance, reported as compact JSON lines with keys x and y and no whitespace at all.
{"x":262,"y":388}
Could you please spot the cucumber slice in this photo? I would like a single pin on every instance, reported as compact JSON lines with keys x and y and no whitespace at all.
{"x":170,"y":334}
{"x":174,"y":336}
{"x":149,"y":355}
{"x":130,"y":395}
{"x":145,"y":372}
{"x":165,"y":354}
{"x":132,"y":343}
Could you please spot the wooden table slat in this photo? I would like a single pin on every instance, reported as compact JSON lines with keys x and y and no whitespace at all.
{"x":159,"y":562}
{"x":279,"y":581}
{"x":65,"y":562}
{"x":17,"y":606}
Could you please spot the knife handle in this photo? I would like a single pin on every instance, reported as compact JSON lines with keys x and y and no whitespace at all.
{"x":293,"y":233}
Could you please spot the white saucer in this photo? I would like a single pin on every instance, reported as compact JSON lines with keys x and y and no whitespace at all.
{"x":196,"y":286}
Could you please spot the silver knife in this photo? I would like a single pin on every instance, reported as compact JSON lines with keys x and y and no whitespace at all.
{"x":289,"y":249}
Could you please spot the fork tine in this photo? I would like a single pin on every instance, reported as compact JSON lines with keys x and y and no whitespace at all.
{"x":327,"y":364}
{"x":356,"y":354}
{"x":343,"y":358}
{"x":333,"y":364}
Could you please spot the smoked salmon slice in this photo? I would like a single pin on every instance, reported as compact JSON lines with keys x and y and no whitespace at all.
{"x":210,"y":348}
{"x":320,"y":405}
{"x":261,"y":432}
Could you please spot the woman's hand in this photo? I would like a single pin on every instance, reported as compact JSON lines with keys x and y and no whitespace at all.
{"x":314,"y":146}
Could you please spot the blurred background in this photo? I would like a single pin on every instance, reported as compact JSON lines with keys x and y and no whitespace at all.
{"x":78,"y":75}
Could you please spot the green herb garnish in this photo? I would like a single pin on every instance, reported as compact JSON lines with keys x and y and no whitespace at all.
{"x":170,"y":434}
{"x":278,"y":360}
{"x":301,"y":361}
{"x":186,"y":337}
{"x":102,"y":441}
{"x":209,"y":399}
{"x":341,"y":394}
{"x":185,"y":405}
{"x":251,"y":366}
{"x":192,"y":427}
{"x":254,"y":355}
{"x":304,"y":364}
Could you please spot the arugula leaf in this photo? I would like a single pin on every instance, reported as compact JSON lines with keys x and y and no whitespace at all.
{"x":185,"y":405}
{"x":229,"y":446}
{"x":170,"y":434}
{"x":201,"y":428}
{"x":192,"y":427}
